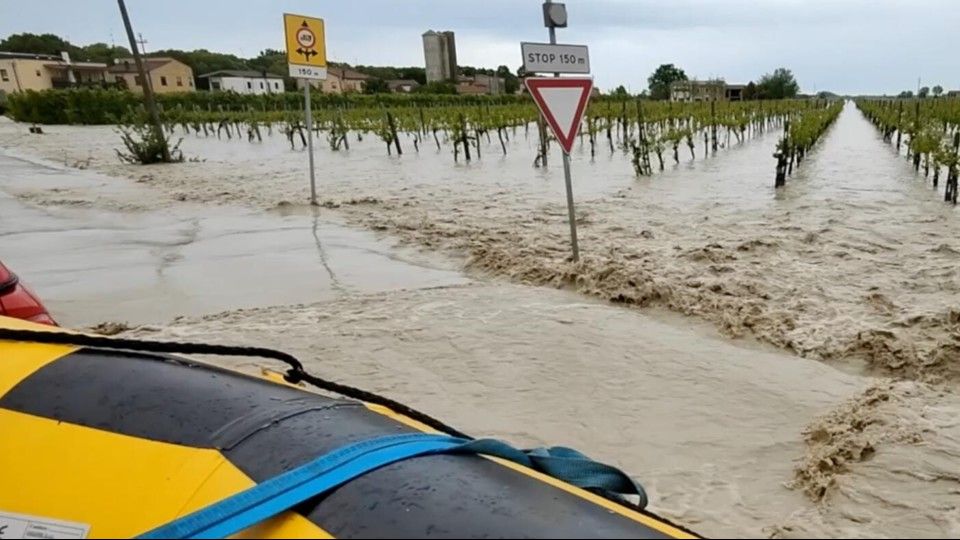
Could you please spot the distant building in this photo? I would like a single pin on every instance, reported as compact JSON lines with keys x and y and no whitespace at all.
{"x":403,"y":85}
{"x":244,"y":82}
{"x":734,"y":92}
{"x":710,"y":90}
{"x":339,"y":81}
{"x":166,"y":75}
{"x":440,"y":54}
{"x":481,"y":84}
{"x":953,"y":93}
{"x":22,"y":71}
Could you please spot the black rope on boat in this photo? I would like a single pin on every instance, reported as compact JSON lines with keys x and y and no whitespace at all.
{"x":294,"y":375}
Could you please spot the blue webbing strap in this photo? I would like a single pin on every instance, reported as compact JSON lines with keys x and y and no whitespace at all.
{"x":280,"y":493}
{"x":285,"y":491}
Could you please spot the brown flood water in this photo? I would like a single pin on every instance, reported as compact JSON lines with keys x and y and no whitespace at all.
{"x":852,"y":266}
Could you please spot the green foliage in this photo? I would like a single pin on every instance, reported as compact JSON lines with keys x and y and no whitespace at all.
{"x":807,"y":126}
{"x":376,"y":86}
{"x":659,"y":82}
{"x":924,"y":92}
{"x":906,"y":94}
{"x":751,"y":91}
{"x":937,"y":90}
{"x":144,"y":144}
{"x":778,"y":85}
{"x":436,"y":87}
{"x":105,"y":106}
{"x":52,"y":44}
{"x":72,"y":106}
{"x":511,"y":82}
{"x":38,"y":43}
{"x":620,"y":91}
{"x":103,"y":53}
{"x":930,"y":125}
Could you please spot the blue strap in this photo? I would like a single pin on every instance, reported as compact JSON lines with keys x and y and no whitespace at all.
{"x":280,"y":493}
{"x":285,"y":491}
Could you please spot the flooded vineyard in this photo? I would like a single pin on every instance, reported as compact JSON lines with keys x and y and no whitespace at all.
{"x":778,"y":362}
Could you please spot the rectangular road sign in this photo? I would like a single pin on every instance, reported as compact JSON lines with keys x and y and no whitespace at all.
{"x":306,"y":46}
{"x":547,"y":58}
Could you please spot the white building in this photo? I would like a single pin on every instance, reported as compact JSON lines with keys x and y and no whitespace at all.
{"x":244,"y":82}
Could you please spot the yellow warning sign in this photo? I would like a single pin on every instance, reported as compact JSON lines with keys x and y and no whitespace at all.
{"x":306,"y":48}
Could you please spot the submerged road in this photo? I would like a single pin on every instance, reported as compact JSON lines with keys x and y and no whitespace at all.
{"x":91,"y":264}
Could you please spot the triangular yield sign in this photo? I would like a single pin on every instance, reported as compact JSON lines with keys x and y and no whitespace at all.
{"x":562,"y":101}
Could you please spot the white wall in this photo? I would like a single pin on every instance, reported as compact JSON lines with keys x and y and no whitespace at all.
{"x":248,"y":85}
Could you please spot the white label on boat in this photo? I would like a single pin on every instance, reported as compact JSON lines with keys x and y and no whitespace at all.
{"x":23,"y":526}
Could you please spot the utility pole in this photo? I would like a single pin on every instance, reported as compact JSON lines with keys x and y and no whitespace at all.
{"x":143,"y":51}
{"x":147,"y":89}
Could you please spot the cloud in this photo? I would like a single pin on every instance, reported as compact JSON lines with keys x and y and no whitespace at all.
{"x":843,"y":45}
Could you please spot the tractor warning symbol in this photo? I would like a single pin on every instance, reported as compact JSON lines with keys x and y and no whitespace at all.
{"x":306,"y":40}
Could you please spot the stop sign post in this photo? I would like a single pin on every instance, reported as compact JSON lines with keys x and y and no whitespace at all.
{"x":562,"y":101}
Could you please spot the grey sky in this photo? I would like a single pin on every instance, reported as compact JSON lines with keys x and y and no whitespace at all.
{"x":855,"y":46}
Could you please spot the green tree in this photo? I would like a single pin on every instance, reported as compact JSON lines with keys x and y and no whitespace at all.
{"x":376,"y":86}
{"x":53,"y":44}
{"x":924,"y":92}
{"x":907,"y":94}
{"x":101,"y":52}
{"x":659,"y":82}
{"x":937,"y":90}
{"x":620,"y":91}
{"x":39,"y":44}
{"x":751,"y":91}
{"x":778,"y":85}
{"x":510,"y":81}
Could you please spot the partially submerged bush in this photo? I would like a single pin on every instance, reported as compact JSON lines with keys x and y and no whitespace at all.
{"x":144,"y":144}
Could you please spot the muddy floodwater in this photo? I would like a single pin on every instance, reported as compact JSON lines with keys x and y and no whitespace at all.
{"x":102,"y":264}
{"x":766,"y":363}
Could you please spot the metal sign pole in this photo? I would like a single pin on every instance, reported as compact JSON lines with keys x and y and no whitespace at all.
{"x":307,"y":61}
{"x":309,"y":121}
{"x":570,"y":212}
{"x":566,"y":176}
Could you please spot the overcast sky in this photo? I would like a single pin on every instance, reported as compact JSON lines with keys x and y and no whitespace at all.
{"x":848,"y":46}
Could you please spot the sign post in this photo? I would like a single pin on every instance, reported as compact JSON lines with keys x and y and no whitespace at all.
{"x":562,"y":101}
{"x":307,"y":59}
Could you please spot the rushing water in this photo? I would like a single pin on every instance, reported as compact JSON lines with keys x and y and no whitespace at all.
{"x":853,"y":265}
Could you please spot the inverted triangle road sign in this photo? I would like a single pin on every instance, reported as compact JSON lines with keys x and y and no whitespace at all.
{"x":562,"y":101}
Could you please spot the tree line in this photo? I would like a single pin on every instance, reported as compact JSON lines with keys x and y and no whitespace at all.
{"x":923,"y":92}
{"x":780,"y":84}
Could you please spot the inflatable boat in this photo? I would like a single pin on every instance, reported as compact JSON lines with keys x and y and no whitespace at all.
{"x":99,"y":439}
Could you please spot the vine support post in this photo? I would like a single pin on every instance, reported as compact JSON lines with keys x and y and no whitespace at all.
{"x":950,"y":194}
{"x":713,"y":125}
{"x":393,"y":133}
{"x":899,"y":125}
